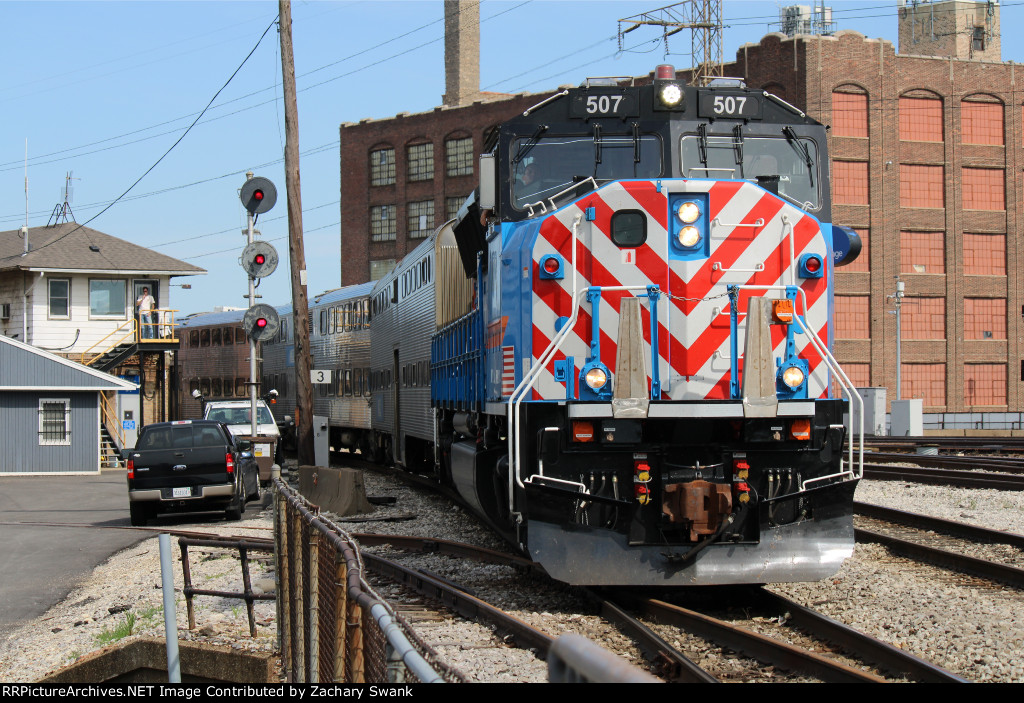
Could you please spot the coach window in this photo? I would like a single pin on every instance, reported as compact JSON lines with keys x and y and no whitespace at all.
{"x":215,"y":336}
{"x":323,"y":322}
{"x":240,"y":335}
{"x":204,"y":386}
{"x":193,"y":338}
{"x":193,"y":385}
{"x":629,"y":228}
{"x":204,"y":339}
{"x":229,"y":388}
{"x":216,"y":390}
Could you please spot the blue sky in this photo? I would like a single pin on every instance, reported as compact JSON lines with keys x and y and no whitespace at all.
{"x":103,"y":89}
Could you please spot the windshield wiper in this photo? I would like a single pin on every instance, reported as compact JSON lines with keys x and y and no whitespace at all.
{"x":527,"y":146}
{"x":802,"y":148}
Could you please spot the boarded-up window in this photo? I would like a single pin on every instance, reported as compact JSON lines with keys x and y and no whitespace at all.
{"x":984,"y":254}
{"x":983,"y":189}
{"x":853,"y":317}
{"x":923,"y":318}
{"x":922,"y":252}
{"x":849,"y":114}
{"x":920,"y":119}
{"x":921,"y":186}
{"x":985,"y":384}
{"x":862,"y":261}
{"x":981,"y":123}
{"x":860,"y":376}
{"x":850,"y":182}
{"x":926,"y":381}
{"x":984,"y":318}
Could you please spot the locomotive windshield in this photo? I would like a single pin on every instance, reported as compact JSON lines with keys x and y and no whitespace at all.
{"x":546,"y":166}
{"x":793,"y":160}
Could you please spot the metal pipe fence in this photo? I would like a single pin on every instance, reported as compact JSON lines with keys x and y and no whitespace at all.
{"x":332,"y":626}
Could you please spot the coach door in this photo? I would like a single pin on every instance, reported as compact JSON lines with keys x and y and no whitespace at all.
{"x":396,"y":441}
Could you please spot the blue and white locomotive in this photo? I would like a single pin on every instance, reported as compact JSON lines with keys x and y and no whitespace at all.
{"x":619,"y":352}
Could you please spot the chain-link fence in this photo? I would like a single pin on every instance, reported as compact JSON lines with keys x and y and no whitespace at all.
{"x":331,"y":625}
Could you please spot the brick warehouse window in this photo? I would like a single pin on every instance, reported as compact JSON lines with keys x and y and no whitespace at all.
{"x":861,"y":263}
{"x":421,"y":219}
{"x":920,"y":119}
{"x":382,"y":167}
{"x":927,"y":381}
{"x":983,"y":189}
{"x":421,"y":162}
{"x":458,"y":157}
{"x":984,"y":254}
{"x":981,"y":122}
{"x":985,"y":384}
{"x":924,"y":318}
{"x":850,"y":182}
{"x":55,"y":422}
{"x":922,"y":252}
{"x":984,"y":318}
{"x":849,"y":114}
{"x":452,"y":205}
{"x":860,"y":375}
{"x":921,"y":186}
{"x":382,"y":223}
{"x":853,"y":317}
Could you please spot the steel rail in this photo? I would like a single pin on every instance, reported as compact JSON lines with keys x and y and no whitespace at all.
{"x":756,"y":646}
{"x":944,"y":477}
{"x":443,"y":546}
{"x":880,"y":653}
{"x":1013,"y":465}
{"x":1010,"y":575}
{"x":950,"y":527}
{"x":466,"y":605}
{"x":675,"y":665}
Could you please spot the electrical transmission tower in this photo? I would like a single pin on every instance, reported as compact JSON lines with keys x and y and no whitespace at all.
{"x":704,"y":20}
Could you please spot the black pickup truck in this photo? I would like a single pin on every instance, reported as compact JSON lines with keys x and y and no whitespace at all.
{"x":189,"y":466}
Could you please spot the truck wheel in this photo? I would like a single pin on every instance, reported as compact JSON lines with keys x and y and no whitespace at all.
{"x":140,"y":514}
{"x":236,"y":508}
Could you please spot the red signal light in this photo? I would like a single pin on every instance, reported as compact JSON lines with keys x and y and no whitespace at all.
{"x":260,"y":259}
{"x":257,"y":195}
{"x":261,"y":322}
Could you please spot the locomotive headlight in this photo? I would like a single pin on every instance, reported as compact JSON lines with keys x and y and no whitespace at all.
{"x":671,"y":94}
{"x":689,"y":237}
{"x":688,"y":212}
{"x":596,"y":378}
{"x":793,"y":377}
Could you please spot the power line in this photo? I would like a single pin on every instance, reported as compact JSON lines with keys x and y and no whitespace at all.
{"x":178,"y":141}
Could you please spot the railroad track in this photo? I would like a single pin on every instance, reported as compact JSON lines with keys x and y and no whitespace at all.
{"x":998,"y":555}
{"x":1012,"y":465}
{"x":945,"y":477}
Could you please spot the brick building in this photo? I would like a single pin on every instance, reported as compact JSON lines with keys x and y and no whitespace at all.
{"x":927,"y":154}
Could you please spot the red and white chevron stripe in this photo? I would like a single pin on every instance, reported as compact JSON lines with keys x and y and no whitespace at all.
{"x":693,"y":321}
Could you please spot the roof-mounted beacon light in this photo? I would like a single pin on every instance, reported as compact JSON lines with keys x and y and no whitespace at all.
{"x":668,"y":90}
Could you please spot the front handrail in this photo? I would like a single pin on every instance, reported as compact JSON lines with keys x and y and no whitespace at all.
{"x":164,"y":325}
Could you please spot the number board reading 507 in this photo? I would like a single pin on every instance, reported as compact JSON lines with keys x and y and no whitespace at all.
{"x":730,"y":105}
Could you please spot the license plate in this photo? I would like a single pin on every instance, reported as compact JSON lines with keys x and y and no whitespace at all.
{"x":181,"y":492}
{"x":262,"y":450}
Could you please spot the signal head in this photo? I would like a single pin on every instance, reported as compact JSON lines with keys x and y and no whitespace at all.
{"x":259,"y":259}
{"x":258,"y":195}
{"x":261,"y":322}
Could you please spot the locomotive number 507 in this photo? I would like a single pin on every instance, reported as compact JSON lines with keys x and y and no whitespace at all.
{"x":603,"y":103}
{"x":729,"y":104}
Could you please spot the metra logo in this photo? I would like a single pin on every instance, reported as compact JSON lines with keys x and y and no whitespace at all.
{"x":495,"y":332}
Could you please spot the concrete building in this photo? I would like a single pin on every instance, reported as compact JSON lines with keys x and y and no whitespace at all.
{"x":927,"y":149}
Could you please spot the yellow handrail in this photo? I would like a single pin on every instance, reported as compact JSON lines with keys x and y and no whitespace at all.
{"x":164,"y":326}
{"x":110,"y":420}
{"x":126,"y":331}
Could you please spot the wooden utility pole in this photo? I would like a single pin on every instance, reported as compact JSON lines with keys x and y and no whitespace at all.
{"x":296,"y":250}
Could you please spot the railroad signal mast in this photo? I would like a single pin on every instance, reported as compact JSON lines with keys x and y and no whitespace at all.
{"x":259,"y":259}
{"x":704,"y":20}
